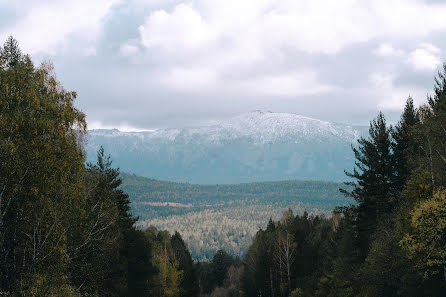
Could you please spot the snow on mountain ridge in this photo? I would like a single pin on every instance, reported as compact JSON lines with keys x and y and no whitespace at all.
{"x":255,"y":146}
{"x":259,"y":126}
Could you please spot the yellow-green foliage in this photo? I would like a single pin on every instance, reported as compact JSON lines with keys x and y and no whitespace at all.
{"x":42,"y":285}
{"x":298,"y":292}
{"x":426,"y":241}
{"x":168,"y":278}
{"x":42,"y":167}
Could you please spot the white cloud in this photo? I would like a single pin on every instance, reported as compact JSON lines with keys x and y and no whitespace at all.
{"x":192,"y":55}
{"x":128,"y":50}
{"x":311,"y":26}
{"x":183,"y":29}
{"x":211,"y":40}
{"x":425,"y":58}
{"x":387,"y":50}
{"x":392,"y":97}
{"x":189,"y":79}
{"x":47,"y":26}
{"x":123,"y":126}
{"x":303,"y":83}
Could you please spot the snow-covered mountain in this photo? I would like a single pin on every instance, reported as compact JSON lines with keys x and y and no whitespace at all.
{"x":256,"y":146}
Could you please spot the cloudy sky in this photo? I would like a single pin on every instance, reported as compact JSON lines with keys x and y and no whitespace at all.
{"x":169,"y":63}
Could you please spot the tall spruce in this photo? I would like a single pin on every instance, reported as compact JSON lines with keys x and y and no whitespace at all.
{"x":403,"y":146}
{"x":189,"y":282}
{"x":434,"y":130}
{"x":373,"y":175}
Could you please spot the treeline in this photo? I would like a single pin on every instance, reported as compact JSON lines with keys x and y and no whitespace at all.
{"x":66,"y":227}
{"x":391,"y":242}
{"x":321,"y":195}
{"x":224,"y":216}
{"x":145,"y":189}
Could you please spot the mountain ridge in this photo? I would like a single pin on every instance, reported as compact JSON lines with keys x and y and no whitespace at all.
{"x":256,"y":146}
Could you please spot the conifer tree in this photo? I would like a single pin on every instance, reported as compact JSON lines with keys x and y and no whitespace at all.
{"x":373,"y":175}
{"x":403,"y":146}
{"x":189,"y":282}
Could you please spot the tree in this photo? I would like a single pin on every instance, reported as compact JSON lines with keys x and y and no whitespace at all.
{"x":168,"y":277}
{"x":41,"y":173}
{"x":189,"y":282}
{"x":426,"y":242}
{"x":373,"y":176}
{"x":285,"y":253}
{"x":137,"y":252}
{"x":99,"y":246}
{"x":433,"y":131}
{"x":403,"y":145}
{"x":220,"y":264}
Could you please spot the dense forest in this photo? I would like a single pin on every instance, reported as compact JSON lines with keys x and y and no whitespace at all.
{"x":66,"y":228}
{"x":214,"y":217}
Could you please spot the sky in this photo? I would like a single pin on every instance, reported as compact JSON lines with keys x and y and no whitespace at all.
{"x":144,"y":64}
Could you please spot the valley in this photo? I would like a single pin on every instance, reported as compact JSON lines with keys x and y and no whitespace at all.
{"x":213,"y":217}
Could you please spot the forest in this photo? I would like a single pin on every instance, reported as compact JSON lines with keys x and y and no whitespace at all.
{"x":66,"y":227}
{"x":214,"y":217}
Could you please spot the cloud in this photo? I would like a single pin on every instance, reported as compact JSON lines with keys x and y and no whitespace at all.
{"x":211,"y":42}
{"x":387,"y":50}
{"x":190,"y":79}
{"x":122,"y":126}
{"x":299,"y":83}
{"x":425,"y":58}
{"x":49,"y":27}
{"x":128,"y":50}
{"x":393,"y":97}
{"x":165,"y":62}
{"x":315,"y":26}
{"x":183,"y":29}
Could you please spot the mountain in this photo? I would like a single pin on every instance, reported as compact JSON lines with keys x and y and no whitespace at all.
{"x":256,"y":146}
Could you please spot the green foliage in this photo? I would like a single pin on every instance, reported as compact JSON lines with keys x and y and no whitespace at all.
{"x":41,"y":171}
{"x":289,"y":254}
{"x":297,"y":293}
{"x":391,"y":243}
{"x":213,"y":217}
{"x":65,"y":228}
{"x":403,"y":145}
{"x":426,"y":242}
{"x":189,"y":282}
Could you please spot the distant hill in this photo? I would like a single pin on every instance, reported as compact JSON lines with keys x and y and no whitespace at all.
{"x":317,"y":193}
{"x":210,"y":217}
{"x":253,"y":147}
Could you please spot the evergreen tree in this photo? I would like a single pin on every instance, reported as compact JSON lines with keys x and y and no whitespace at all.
{"x":433,"y":132}
{"x":403,"y":146}
{"x":137,"y":252}
{"x":373,"y":175}
{"x":221,"y":263}
{"x":189,"y":283}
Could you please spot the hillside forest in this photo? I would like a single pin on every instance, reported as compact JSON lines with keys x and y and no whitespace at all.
{"x":214,"y":217}
{"x":66,"y":227}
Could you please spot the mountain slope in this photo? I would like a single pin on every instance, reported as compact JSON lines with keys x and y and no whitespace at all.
{"x":257,"y":146}
{"x":213,"y":217}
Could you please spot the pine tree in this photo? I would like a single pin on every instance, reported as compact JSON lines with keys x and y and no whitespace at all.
{"x":403,"y":146}
{"x":189,"y":283}
{"x":373,"y":175}
{"x":221,"y":263}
